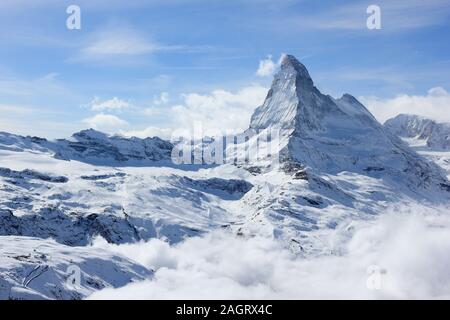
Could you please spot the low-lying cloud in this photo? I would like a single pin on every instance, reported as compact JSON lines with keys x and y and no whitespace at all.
{"x":435,"y":105}
{"x":410,"y":251}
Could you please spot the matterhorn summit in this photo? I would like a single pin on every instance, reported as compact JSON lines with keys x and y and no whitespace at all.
{"x":292,"y":101}
{"x":332,"y":135}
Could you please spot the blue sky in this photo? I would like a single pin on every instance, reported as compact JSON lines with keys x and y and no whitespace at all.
{"x":141,"y":67}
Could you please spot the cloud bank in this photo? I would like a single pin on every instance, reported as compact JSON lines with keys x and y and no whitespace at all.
{"x":218,"y":112}
{"x":410,"y":247}
{"x":105,"y":122}
{"x":220,"y":109}
{"x":435,"y":105}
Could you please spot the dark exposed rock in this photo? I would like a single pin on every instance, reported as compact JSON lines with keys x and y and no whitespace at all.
{"x":370,"y":169}
{"x":296,"y":169}
{"x":68,"y":229}
{"x":230,"y":186}
{"x":103,"y":176}
{"x":31,"y":174}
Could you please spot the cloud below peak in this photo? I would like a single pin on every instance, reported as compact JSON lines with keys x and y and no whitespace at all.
{"x":208,"y":267}
{"x":434,"y":105}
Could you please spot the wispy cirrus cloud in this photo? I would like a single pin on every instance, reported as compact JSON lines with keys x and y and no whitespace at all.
{"x":119,"y":42}
{"x":395,"y":15}
{"x":48,"y":83}
{"x":114,"y":43}
{"x":125,"y":44}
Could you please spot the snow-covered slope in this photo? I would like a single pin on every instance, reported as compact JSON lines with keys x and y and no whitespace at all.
{"x":337,"y":165}
{"x":436,"y":135}
{"x":73,"y":202}
{"x":32,"y":268}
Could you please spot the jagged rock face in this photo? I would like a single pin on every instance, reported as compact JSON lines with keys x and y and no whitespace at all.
{"x":410,"y":126}
{"x":334,"y":135}
{"x":436,"y":135}
{"x":293,"y":101}
{"x":68,"y":228}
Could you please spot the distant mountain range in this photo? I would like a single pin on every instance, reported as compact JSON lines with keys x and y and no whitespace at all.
{"x":436,"y":135}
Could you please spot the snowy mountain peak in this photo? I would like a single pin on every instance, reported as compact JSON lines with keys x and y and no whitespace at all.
{"x":352,"y":107}
{"x":292,"y":99}
{"x":335,"y":135}
{"x":349,"y":98}
{"x":436,"y":135}
{"x":90,"y":134}
{"x":295,"y":104}
{"x":290,"y":65}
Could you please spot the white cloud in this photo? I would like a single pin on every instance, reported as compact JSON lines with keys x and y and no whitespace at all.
{"x":267,"y":66}
{"x":152,"y":111}
{"x":162,"y":99}
{"x":105,"y":122}
{"x":208,"y":268}
{"x":163,"y":133}
{"x":219,"y":110}
{"x":216,"y":113}
{"x":435,"y":105}
{"x":124,"y":44}
{"x":118,"y":41}
{"x":114,"y":104}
